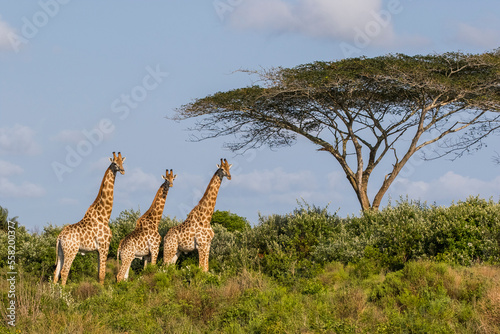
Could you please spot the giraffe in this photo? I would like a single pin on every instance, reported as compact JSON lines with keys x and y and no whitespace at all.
{"x":144,"y":241}
{"x":195,"y":232}
{"x":92,"y":232}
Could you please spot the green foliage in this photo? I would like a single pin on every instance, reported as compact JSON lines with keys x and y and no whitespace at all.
{"x":427,"y":291}
{"x":398,"y":270}
{"x":436,"y":69}
{"x":464,"y":233}
{"x":4,"y":220}
{"x":285,"y":244}
{"x":231,"y":221}
{"x":296,"y":246}
{"x":38,"y":251}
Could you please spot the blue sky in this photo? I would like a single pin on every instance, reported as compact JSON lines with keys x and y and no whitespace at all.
{"x":101,"y":76}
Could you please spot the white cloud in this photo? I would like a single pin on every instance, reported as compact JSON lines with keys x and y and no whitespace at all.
{"x":6,"y":33}
{"x":18,"y":139}
{"x":336,"y":19}
{"x":483,"y":37}
{"x":448,"y":187}
{"x":264,"y":14}
{"x":9,"y":189}
{"x":8,"y":169}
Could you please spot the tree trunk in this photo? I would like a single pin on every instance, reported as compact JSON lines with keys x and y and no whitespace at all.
{"x":362,"y":194}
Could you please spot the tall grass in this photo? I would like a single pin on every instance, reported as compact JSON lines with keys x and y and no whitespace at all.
{"x":422,"y":297}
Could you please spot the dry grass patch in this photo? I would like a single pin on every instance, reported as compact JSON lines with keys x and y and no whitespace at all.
{"x":489,"y":305}
{"x":86,"y":290}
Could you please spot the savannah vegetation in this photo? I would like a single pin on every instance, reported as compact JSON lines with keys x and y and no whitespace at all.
{"x":407,"y":268}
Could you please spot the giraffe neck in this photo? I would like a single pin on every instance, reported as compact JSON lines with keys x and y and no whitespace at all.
{"x":152,"y":217}
{"x":207,"y":202}
{"x":103,"y":203}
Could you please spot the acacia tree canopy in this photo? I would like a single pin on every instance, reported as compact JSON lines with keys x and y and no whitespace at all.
{"x":360,"y":109}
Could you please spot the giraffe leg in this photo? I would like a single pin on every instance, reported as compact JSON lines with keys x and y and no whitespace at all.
{"x":126,"y":273}
{"x":170,"y":256}
{"x":203,"y":253}
{"x":102,"y":256}
{"x":154,"y":253}
{"x":123,"y":273}
{"x":69,"y":256}
{"x":98,"y":264}
{"x":170,"y":249}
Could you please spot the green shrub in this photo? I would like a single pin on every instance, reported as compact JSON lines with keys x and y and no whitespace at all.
{"x":296,"y":246}
{"x":429,"y":298}
{"x":286,"y":244}
{"x":231,"y":221}
{"x":464,"y":233}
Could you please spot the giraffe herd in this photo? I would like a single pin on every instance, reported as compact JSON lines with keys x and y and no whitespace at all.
{"x":92,"y":233}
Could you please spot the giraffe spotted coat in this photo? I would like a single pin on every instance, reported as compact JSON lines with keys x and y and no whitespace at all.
{"x":195,"y":232}
{"x":144,"y":241}
{"x":92,"y":233}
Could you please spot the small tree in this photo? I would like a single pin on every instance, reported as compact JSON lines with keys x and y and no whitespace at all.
{"x":362,"y":110}
{"x":4,"y":220}
{"x":231,"y":221}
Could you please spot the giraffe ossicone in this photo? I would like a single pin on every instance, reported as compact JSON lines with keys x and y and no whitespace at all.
{"x":92,"y":233}
{"x":196,"y":232}
{"x":144,"y":241}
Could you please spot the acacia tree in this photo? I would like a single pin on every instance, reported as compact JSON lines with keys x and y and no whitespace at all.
{"x":362,"y":110}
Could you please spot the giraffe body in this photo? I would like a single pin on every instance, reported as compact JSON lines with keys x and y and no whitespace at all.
{"x":144,"y":241}
{"x":196,"y":232}
{"x":92,"y":233}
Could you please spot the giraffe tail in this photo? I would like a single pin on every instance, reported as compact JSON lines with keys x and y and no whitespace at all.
{"x":59,"y":260}
{"x":118,"y":254}
{"x":57,"y":251}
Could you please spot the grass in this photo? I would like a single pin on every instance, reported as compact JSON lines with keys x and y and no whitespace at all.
{"x":422,"y":297}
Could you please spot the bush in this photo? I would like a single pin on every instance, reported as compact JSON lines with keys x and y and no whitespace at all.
{"x":286,"y":244}
{"x":297,"y":245}
{"x":229,"y":251}
{"x":231,"y":221}
{"x":464,"y":233}
{"x":308,"y":271}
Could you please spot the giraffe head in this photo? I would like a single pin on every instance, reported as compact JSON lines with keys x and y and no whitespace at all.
{"x":169,"y":179}
{"x":224,"y":168}
{"x":117,"y":163}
